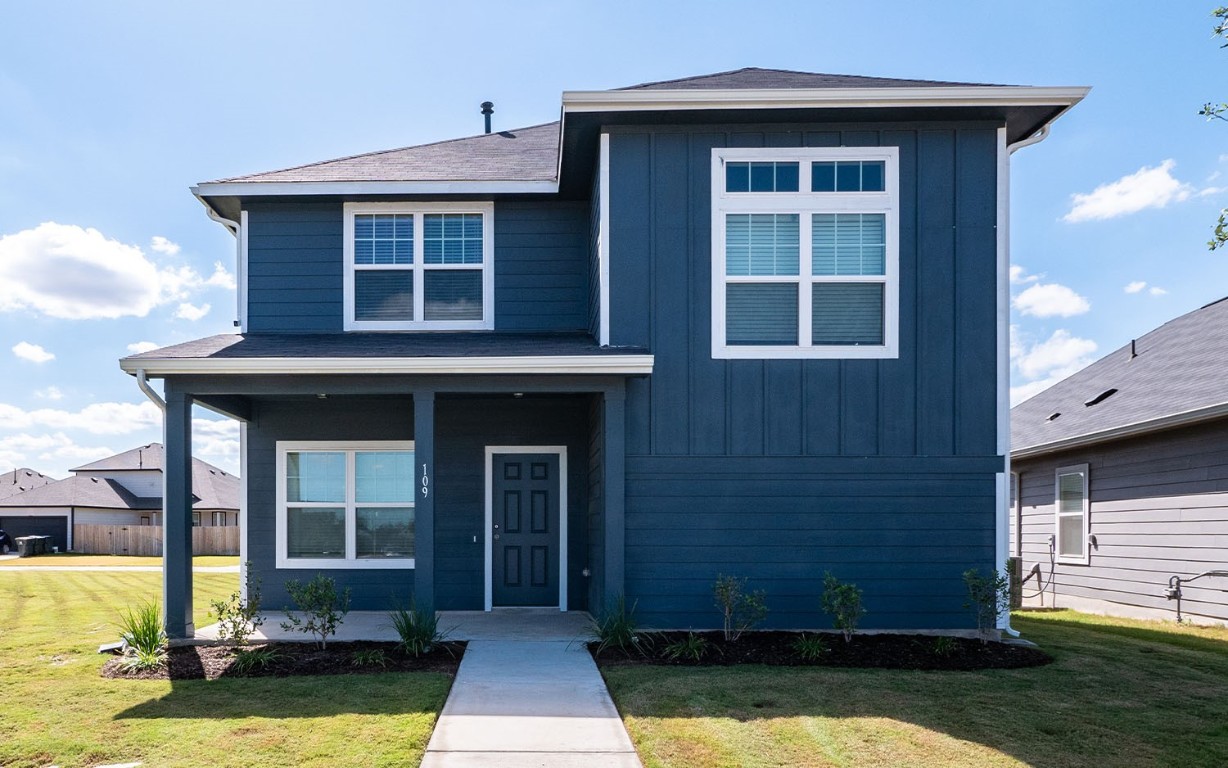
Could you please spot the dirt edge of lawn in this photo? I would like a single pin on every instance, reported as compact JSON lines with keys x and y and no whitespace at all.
{"x":211,"y":662}
{"x":773,"y":648}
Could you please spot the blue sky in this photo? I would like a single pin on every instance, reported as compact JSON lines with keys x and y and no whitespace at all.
{"x":109,"y":112}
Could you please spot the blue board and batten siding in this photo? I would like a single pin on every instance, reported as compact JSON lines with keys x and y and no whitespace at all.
{"x":295,"y":266}
{"x":881,"y":471}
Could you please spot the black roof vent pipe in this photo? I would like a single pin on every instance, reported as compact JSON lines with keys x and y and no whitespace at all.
{"x":488,"y":109}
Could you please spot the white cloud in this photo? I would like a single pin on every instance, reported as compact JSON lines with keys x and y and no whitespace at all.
{"x":162,"y":245}
{"x":217,"y":442}
{"x":32,"y":352}
{"x":50,"y":393}
{"x":52,"y":454}
{"x":137,"y":347}
{"x":1136,"y":286}
{"x":1043,"y":364}
{"x":66,"y":271}
{"x":1050,"y":300}
{"x":1020,"y":276}
{"x":192,"y":312}
{"x":96,"y":419}
{"x":221,"y":278}
{"x":1145,"y":188}
{"x":1157,"y":291}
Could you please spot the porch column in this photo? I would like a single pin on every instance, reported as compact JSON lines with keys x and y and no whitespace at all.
{"x":177,"y":515}
{"x":424,"y":492}
{"x":613,"y":451}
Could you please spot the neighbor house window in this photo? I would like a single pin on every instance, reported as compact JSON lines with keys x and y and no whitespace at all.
{"x":195,"y":519}
{"x":415,"y":266}
{"x":144,"y":519}
{"x":805,"y":246}
{"x":219,"y":519}
{"x":1071,"y":514}
{"x":345,"y":505}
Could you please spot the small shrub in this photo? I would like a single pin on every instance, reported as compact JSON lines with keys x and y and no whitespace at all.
{"x":419,"y":630}
{"x":988,"y":597}
{"x":616,"y":628}
{"x":248,"y":660}
{"x":810,"y":647}
{"x":944,"y":646}
{"x":692,"y":647}
{"x":843,"y":603}
{"x":372,"y":657}
{"x":741,"y":610}
{"x":142,"y":629}
{"x":322,"y":608}
{"x":238,"y":619}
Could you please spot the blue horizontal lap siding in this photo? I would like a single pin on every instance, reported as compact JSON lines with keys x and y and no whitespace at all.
{"x":735,"y":465}
{"x":294,"y":261}
{"x":541,"y":266}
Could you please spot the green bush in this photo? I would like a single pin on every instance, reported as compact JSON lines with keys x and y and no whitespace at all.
{"x":141,"y":628}
{"x":616,"y":628}
{"x":692,"y":647}
{"x":322,"y":607}
{"x":248,"y":660}
{"x":810,"y":647}
{"x":843,"y":603}
{"x":373,"y":657}
{"x":238,"y":619}
{"x":988,"y":597}
{"x":419,"y":630}
{"x":741,"y":610}
{"x":944,"y":646}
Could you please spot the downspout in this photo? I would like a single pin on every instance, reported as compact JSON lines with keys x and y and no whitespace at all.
{"x":235,"y":228}
{"x":1003,"y":544}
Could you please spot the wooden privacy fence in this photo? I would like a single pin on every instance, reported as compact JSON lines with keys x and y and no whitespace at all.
{"x":146,"y":540}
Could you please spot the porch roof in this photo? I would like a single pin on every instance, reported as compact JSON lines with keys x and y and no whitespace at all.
{"x":358,"y":353}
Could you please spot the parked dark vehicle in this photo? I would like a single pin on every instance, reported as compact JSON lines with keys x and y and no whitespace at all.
{"x":6,"y":542}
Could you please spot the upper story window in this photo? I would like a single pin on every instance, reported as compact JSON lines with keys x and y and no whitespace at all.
{"x":419,"y":266}
{"x":805,"y":252}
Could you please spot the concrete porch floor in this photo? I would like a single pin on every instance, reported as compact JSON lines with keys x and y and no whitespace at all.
{"x":541,"y":624}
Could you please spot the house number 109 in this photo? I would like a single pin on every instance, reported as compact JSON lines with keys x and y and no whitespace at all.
{"x":425,"y":482}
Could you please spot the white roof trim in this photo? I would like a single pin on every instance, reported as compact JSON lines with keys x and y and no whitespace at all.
{"x":829,"y":98}
{"x":553,"y":364}
{"x":1126,"y":430}
{"x":291,"y":188}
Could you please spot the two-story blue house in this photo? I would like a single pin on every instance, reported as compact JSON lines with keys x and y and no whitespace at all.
{"x":751,"y":323}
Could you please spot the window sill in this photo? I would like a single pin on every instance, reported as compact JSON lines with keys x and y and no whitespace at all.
{"x":739,"y":352}
{"x":374,"y":563}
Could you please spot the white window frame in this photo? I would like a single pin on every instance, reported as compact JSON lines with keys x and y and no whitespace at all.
{"x":350,"y":561}
{"x":419,"y":267}
{"x":806,"y":203}
{"x":215,"y":516}
{"x":1081,"y":470}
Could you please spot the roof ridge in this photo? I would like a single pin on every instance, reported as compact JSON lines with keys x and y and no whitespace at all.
{"x":711,"y":75}
{"x":378,"y":152}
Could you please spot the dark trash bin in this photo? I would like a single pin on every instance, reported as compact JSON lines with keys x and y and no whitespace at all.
{"x":29,"y":546}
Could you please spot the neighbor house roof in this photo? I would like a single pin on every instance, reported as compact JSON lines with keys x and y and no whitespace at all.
{"x":1174,"y":375}
{"x":76,"y":491}
{"x":22,"y":479}
{"x":213,"y":488}
{"x":756,"y":77}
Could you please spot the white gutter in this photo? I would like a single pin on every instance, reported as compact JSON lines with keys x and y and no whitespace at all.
{"x":348,"y":188}
{"x":1182,"y":419}
{"x":560,"y":364}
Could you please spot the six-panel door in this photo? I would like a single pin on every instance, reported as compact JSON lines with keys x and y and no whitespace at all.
{"x":525,"y":529}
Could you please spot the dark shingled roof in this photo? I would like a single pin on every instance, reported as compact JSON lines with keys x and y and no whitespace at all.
{"x":523,"y":154}
{"x":358,"y":345}
{"x":76,"y":491}
{"x":20,"y":480}
{"x":754,"y":77}
{"x":1181,"y":366}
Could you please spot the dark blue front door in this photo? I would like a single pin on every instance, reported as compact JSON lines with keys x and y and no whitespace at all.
{"x":525,"y":532}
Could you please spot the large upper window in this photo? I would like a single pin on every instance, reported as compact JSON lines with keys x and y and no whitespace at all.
{"x":345,"y":505}
{"x":805,"y":246}
{"x":1071,"y":508}
{"x":416,"y":266}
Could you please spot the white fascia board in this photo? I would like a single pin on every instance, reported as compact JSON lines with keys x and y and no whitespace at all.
{"x":296,"y":188}
{"x":559,"y":364}
{"x":1182,"y":419}
{"x":829,"y":98}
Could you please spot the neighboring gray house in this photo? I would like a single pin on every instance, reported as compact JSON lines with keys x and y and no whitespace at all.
{"x":21,"y":480}
{"x":1136,"y":447}
{"x":124,"y":489}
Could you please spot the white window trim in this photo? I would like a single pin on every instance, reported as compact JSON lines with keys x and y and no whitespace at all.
{"x":1081,"y":470}
{"x":417,"y":210}
{"x":350,"y":562}
{"x":805,"y":203}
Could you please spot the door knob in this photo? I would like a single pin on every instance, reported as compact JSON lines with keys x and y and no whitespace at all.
{"x":496,"y":537}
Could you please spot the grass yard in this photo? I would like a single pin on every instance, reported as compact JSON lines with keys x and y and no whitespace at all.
{"x":69,"y":558}
{"x":1120,"y":693}
{"x":56,"y":709}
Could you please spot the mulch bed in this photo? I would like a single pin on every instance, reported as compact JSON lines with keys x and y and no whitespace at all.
{"x":209,"y":662}
{"x":881,"y":651}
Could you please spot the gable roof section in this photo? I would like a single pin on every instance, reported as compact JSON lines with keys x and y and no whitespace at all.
{"x":21,"y":480}
{"x":76,"y":491}
{"x":756,"y":77}
{"x":142,"y":457}
{"x":1176,"y":376}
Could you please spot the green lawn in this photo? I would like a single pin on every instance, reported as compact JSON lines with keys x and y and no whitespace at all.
{"x":1120,"y":693}
{"x":56,"y":709}
{"x":71,"y":558}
